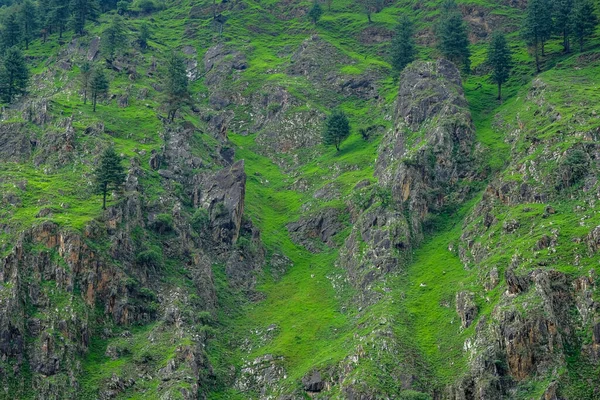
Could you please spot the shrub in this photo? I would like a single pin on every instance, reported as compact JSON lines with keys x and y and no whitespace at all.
{"x":414,"y":395}
{"x":200,"y":221}
{"x":572,"y":168}
{"x":163,"y":223}
{"x":147,"y":6}
{"x":149,"y":258}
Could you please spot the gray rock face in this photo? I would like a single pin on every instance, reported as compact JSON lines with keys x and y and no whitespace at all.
{"x":313,"y":382}
{"x":16,"y":145}
{"x":466,"y":308}
{"x":322,"y":227}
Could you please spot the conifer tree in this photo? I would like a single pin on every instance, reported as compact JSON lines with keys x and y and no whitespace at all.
{"x":109,"y":174}
{"x":28,"y":20}
{"x":177,"y":91}
{"x":58,"y":16}
{"x":500,"y":60}
{"x":315,"y":13}
{"x":537,"y":26}
{"x":337,"y":129}
{"x":144,"y":36}
{"x":82,"y":11}
{"x":403,"y":45}
{"x":98,"y":86}
{"x":113,"y":38}
{"x":563,"y":17}
{"x":453,"y":40}
{"x":371,"y":6}
{"x":585,"y":20}
{"x":85,"y":73}
{"x":11,"y":34}
{"x":14,"y":75}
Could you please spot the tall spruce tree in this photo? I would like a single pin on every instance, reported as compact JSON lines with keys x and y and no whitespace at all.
{"x":85,"y":74}
{"x":109,"y":174}
{"x":453,"y":40}
{"x":58,"y":16}
{"x":315,"y":13}
{"x":563,"y":18}
{"x":537,"y":26}
{"x":98,"y":86}
{"x":114,"y":38}
{"x":82,"y":11}
{"x":11,"y":34}
{"x":500,"y":60}
{"x":585,"y":20}
{"x":403,"y":49}
{"x":28,"y":19}
{"x":337,"y":129}
{"x":14,"y":75}
{"x":177,"y":90}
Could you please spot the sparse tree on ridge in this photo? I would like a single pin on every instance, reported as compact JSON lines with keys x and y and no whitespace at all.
{"x":371,"y":6}
{"x":14,"y":75}
{"x":29,"y":21}
{"x":337,"y":129}
{"x":500,"y":60}
{"x":110,"y":174}
{"x":315,"y":13}
{"x":85,"y":74}
{"x":453,"y":40}
{"x":177,"y":90}
{"x":114,"y":38}
{"x":403,"y":50}
{"x":585,"y":20}
{"x":98,"y":86}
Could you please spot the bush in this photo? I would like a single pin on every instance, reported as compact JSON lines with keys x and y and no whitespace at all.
{"x":572,"y":168}
{"x":414,"y":395}
{"x":147,"y":6}
{"x":163,"y":223}
{"x":149,"y":258}
{"x":200,"y":221}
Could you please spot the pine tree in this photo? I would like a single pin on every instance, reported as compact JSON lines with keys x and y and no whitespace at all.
{"x":11,"y":34}
{"x":177,"y":91}
{"x":82,"y":11}
{"x":114,"y":38}
{"x":337,"y":129}
{"x":315,"y":13}
{"x":563,"y":17}
{"x":58,"y":16}
{"x":98,"y":86}
{"x":14,"y":75}
{"x":84,"y":78}
{"x":403,"y":45}
{"x":453,"y":40}
{"x":144,"y":36}
{"x":500,"y":60}
{"x":585,"y":20}
{"x":28,"y":20}
{"x":538,"y":26}
{"x":110,"y":174}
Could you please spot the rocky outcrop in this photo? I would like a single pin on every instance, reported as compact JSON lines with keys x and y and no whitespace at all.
{"x":321,"y":228}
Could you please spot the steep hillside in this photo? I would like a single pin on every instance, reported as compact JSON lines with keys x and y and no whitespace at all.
{"x":450,"y":255}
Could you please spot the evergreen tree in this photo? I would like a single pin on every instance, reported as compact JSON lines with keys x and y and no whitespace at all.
{"x":537,"y":26}
{"x":500,"y":60}
{"x":563,"y":17}
{"x":114,"y":38}
{"x":58,"y":16}
{"x":29,"y":21}
{"x":14,"y":75}
{"x":144,"y":36}
{"x":82,"y":11}
{"x":98,"y":86}
{"x":110,"y":174}
{"x":11,"y":34}
{"x":315,"y":13}
{"x":329,"y":3}
{"x":403,"y":45}
{"x":371,"y":6}
{"x":177,"y":91}
{"x":585,"y":20}
{"x":453,"y":40}
{"x":337,"y":129}
{"x":84,"y":78}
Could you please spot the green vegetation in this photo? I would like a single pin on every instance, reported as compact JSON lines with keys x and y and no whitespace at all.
{"x":337,"y":129}
{"x":500,"y":60}
{"x":403,"y":48}
{"x":110,"y":174}
{"x":453,"y":41}
{"x":14,"y":75}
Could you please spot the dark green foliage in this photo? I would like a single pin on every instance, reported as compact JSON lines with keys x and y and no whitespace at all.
{"x":85,"y":73}
{"x":177,"y":85}
{"x":28,"y":20}
{"x":585,"y":20}
{"x":537,"y":26}
{"x":500,"y":59}
{"x":200,"y":220}
{"x":163,"y":223}
{"x":149,"y":258}
{"x":11,"y":34}
{"x":403,"y":49}
{"x":82,"y":11}
{"x":109,"y":174}
{"x":371,"y":6}
{"x":98,"y":85}
{"x":147,"y":6}
{"x":14,"y":75}
{"x":144,"y":36}
{"x":413,"y":395}
{"x":453,"y":40}
{"x":337,"y":129}
{"x":114,"y":38}
{"x":572,"y":168}
{"x":315,"y":13}
{"x":123,"y":7}
{"x":563,"y":20}
{"x":58,"y":17}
